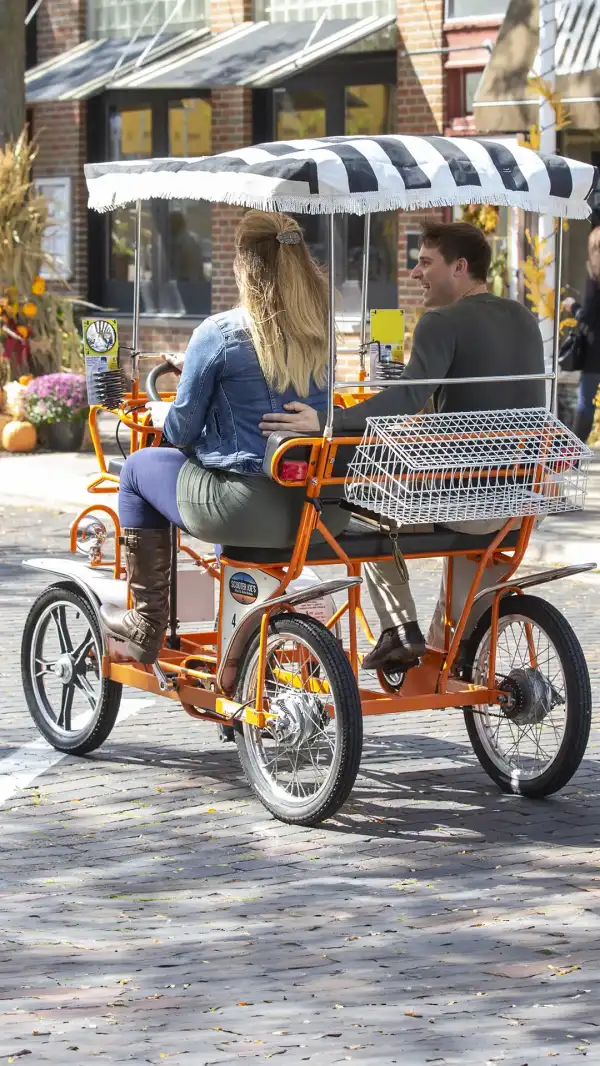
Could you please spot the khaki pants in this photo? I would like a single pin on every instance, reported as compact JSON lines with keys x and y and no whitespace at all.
{"x":393,"y":601}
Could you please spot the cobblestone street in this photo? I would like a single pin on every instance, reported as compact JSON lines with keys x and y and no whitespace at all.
{"x":154,"y":911}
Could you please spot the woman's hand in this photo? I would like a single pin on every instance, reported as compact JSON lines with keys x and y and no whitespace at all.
{"x":569,"y":304}
{"x":304,"y":420}
{"x":159,"y":410}
{"x":176,"y":359}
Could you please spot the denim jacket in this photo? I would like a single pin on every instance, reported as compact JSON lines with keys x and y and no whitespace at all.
{"x":222,"y":396}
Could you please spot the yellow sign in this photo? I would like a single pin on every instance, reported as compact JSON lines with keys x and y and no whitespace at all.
{"x":387,"y":330}
{"x":101,"y":341}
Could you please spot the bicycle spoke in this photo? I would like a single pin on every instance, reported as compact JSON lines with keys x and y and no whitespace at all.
{"x":59,"y":617}
{"x":66,"y":705}
{"x":514,"y":741}
{"x":82,"y":683}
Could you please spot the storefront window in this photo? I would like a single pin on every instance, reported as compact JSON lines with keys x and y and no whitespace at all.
{"x":370,"y":111}
{"x":176,"y":235}
{"x":299,"y":115}
{"x":130,"y":137}
{"x":354,"y":110}
{"x":189,"y":238}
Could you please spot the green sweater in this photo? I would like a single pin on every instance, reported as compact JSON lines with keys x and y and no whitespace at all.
{"x":478,"y":336}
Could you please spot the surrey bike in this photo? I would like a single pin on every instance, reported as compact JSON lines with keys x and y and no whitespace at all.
{"x":273,"y":670}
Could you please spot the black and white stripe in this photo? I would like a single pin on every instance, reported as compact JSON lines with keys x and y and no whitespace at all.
{"x":356,"y":175}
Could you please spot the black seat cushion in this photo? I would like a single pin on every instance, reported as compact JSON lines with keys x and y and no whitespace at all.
{"x":115,"y":466}
{"x":362,"y":541}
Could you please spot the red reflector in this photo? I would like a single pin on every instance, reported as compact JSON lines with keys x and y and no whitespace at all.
{"x":293,"y":471}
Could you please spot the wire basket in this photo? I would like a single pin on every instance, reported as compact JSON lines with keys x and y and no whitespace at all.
{"x":471,"y":466}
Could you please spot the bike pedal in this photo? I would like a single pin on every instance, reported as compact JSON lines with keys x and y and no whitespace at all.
{"x":165,"y":683}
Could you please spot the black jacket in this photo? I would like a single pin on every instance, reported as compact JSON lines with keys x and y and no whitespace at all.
{"x":589,"y":316}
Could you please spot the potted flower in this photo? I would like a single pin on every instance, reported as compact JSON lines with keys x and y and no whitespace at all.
{"x":57,"y":405}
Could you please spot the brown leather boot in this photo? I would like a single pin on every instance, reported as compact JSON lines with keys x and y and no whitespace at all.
{"x":148,"y":566}
{"x":397,"y":649}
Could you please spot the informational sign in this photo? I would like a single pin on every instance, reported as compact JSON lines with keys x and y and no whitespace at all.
{"x":58,"y":237}
{"x":387,"y":330}
{"x":101,"y":337}
{"x":101,"y":350}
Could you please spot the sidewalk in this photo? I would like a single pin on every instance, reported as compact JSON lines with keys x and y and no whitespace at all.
{"x":58,"y":482}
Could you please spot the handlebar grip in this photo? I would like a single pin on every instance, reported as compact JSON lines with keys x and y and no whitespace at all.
{"x":156,"y":373}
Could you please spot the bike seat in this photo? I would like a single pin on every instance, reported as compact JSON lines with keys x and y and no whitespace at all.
{"x":361,"y":540}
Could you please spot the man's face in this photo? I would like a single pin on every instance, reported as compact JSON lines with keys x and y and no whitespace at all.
{"x":441,"y":282}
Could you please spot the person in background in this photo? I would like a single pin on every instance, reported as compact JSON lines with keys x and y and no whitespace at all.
{"x":588,"y":317}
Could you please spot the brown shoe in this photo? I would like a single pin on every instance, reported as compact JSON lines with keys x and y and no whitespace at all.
{"x":148,"y":566}
{"x":397,"y":649}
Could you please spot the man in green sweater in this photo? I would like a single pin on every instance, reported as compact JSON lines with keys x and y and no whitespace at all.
{"x":466,"y":332}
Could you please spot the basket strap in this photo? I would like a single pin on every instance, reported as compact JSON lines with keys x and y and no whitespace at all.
{"x":393,"y":532}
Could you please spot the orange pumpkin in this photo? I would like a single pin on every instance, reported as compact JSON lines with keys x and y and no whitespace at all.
{"x":19,"y":437}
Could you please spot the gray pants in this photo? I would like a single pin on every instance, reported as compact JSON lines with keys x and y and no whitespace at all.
{"x":394,"y":603}
{"x":245,"y":510}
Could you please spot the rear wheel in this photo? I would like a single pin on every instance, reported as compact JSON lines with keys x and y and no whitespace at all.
{"x":534,"y":742}
{"x":72,"y":705}
{"x":303,"y":764}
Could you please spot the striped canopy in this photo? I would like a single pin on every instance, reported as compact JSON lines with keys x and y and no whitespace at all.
{"x":356,"y":175}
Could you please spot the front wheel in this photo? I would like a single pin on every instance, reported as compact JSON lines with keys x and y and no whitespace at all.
{"x":303,"y":764}
{"x":73,"y":706}
{"x":534,"y":741}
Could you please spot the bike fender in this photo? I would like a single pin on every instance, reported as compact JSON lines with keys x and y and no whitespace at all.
{"x":242,"y":634}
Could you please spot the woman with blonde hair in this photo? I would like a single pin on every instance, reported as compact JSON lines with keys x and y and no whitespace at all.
{"x":268,"y":353}
{"x":588,"y":317}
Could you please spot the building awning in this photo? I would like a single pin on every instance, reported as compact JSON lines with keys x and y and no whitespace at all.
{"x":92,"y":66}
{"x":506,"y":103}
{"x":254,"y":54}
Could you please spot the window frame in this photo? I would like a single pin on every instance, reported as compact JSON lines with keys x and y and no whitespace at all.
{"x":152,"y":27}
{"x":497,"y":15}
{"x":119,"y":294}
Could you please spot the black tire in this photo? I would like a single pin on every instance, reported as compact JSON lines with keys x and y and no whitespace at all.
{"x":575,"y":693}
{"x":102,"y":698}
{"x":331,"y":668}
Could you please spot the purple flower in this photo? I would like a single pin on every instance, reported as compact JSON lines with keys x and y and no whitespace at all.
{"x":56,"y":398}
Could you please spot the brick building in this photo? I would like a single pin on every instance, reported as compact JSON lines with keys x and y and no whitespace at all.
{"x":120,"y":79}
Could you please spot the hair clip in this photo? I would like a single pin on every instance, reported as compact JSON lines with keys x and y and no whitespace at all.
{"x":292,"y":236}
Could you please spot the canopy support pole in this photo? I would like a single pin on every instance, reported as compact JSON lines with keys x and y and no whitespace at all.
{"x":364,"y":302}
{"x":547,"y":127}
{"x":557,"y":303}
{"x":137,"y":272}
{"x":331,"y":348}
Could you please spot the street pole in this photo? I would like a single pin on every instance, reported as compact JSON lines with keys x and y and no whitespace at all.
{"x":547,"y":121}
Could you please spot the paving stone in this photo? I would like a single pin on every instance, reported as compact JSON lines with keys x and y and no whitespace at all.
{"x":152,"y":909}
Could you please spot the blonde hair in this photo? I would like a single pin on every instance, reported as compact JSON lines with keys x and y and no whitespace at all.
{"x":593,"y":262}
{"x":285,"y":294}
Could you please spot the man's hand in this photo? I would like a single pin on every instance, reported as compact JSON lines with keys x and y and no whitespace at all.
{"x":159,"y":410}
{"x":304,"y":420}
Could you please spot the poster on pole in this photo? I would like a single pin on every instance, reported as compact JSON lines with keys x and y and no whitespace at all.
{"x":57,"y":242}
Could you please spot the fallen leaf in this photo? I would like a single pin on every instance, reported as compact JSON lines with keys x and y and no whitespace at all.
{"x":412,"y":1014}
